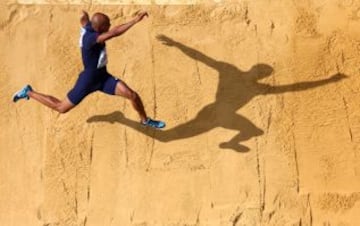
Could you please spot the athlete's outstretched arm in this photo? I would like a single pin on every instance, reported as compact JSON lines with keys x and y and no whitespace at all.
{"x":84,"y":18}
{"x":193,"y":53}
{"x":121,"y":29}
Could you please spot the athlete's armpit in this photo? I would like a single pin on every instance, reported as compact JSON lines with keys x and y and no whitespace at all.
{"x":106,"y":36}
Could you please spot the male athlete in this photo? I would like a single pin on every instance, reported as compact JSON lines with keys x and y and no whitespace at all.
{"x":95,"y":76}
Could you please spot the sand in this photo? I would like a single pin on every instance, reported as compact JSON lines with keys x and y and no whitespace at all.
{"x":261,"y":103}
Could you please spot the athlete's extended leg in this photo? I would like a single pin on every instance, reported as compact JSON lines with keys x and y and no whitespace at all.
{"x":123,"y":90}
{"x":52,"y":102}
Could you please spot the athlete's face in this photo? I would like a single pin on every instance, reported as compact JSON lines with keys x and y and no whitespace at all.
{"x":105,"y":26}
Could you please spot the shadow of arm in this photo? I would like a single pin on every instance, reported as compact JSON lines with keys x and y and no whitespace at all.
{"x":301,"y":86}
{"x":190,"y":52}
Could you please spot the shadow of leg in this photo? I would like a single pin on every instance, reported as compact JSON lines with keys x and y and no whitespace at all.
{"x":234,"y":143}
{"x":247,"y":128}
{"x":234,"y":146}
{"x":118,"y":117}
{"x":203,"y":122}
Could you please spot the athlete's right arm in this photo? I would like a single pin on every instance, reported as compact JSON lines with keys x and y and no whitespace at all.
{"x":120,"y":29}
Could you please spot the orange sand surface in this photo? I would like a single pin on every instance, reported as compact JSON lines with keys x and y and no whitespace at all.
{"x":261,"y":100}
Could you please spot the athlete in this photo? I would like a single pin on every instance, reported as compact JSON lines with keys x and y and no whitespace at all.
{"x":94,"y":77}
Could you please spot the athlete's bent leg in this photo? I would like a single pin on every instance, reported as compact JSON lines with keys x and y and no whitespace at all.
{"x":123,"y":90}
{"x":52,"y":102}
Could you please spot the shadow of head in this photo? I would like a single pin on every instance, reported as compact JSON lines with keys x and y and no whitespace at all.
{"x":259,"y":71}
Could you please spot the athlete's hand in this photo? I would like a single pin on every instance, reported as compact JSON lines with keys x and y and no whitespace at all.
{"x":140,"y":16}
{"x":166,"y":40}
{"x":84,"y":18}
{"x":84,"y":15}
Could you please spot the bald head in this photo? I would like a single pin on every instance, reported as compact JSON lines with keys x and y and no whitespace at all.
{"x":100,"y":22}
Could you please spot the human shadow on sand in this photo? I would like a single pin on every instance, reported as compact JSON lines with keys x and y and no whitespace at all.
{"x":235,"y":89}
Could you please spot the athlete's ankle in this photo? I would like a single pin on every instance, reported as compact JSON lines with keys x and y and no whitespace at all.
{"x":143,"y":120}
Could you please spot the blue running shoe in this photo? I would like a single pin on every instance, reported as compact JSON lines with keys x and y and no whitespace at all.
{"x":22,"y":94}
{"x":154,"y":123}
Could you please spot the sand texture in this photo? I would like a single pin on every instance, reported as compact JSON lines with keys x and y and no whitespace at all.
{"x":261,"y":100}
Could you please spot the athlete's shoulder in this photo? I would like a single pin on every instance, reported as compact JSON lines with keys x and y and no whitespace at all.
{"x":88,"y":37}
{"x":88,"y":27}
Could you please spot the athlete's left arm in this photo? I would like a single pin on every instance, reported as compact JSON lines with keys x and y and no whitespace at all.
{"x":120,"y":29}
{"x":84,"y":18}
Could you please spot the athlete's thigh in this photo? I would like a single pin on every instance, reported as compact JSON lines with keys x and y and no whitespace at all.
{"x":84,"y":85}
{"x":114,"y":86}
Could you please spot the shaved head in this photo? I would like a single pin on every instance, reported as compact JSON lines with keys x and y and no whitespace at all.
{"x":100,"y":22}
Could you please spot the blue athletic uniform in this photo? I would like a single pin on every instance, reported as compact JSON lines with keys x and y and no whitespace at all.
{"x":94,"y":77}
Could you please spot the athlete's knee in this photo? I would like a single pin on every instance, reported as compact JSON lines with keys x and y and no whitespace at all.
{"x":62,"y":109}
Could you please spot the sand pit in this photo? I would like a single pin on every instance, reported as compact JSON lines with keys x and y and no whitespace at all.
{"x":261,"y":100}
